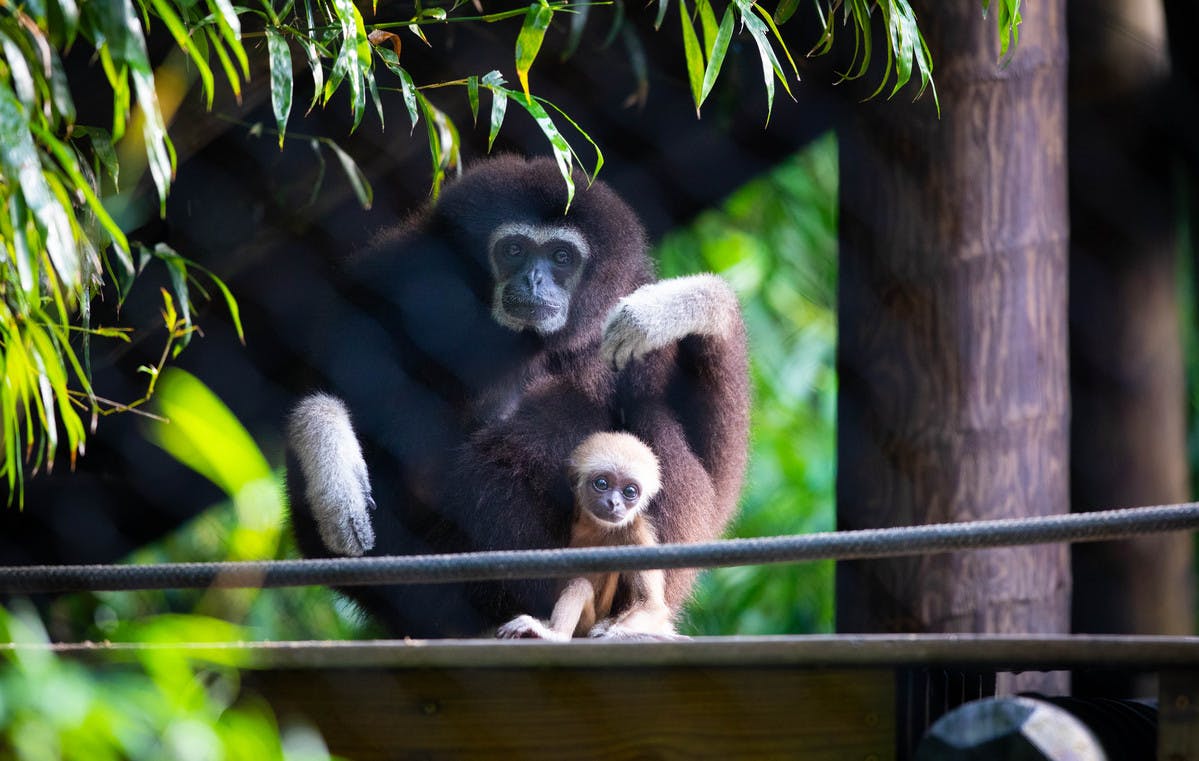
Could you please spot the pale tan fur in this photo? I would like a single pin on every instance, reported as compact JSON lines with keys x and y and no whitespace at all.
{"x":586,"y":601}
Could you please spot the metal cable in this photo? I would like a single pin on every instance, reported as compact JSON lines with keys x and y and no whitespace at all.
{"x":527,"y":564}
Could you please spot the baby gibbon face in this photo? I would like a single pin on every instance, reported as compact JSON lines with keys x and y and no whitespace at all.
{"x":610,"y":497}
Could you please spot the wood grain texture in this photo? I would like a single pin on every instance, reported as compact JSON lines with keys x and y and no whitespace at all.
{"x":615,"y":713}
{"x":952,"y":358}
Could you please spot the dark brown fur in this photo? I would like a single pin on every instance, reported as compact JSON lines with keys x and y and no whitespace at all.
{"x":465,"y":425}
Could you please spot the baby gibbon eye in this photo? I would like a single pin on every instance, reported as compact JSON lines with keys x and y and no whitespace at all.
{"x":513,"y":250}
{"x":630,"y":492}
{"x":562,"y":256}
{"x":600,"y":484}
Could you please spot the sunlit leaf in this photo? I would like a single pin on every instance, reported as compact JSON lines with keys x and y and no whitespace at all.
{"x":204,"y":435}
{"x":66,"y":159}
{"x":499,"y":105}
{"x":694,"y":57}
{"x":408,"y":87}
{"x":472,"y":95}
{"x":528,"y":42}
{"x":717,"y":53}
{"x":281,"y":79}
{"x":179,"y":32}
{"x":707,"y":22}
{"x":230,"y":25}
{"x":19,"y":160}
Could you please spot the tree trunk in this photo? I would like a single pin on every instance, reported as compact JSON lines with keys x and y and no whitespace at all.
{"x":954,"y":402}
{"x":1128,"y":433}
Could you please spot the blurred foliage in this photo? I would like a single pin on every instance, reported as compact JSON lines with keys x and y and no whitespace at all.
{"x":200,"y":431}
{"x":172,"y":703}
{"x":776,"y":241}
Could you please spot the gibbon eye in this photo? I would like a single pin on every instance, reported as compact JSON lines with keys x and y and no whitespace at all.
{"x":600,"y":484}
{"x":630,"y":492}
{"x":561,"y":256}
{"x":514,"y":250}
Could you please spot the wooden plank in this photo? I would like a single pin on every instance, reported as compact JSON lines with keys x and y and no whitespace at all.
{"x":1178,"y":716}
{"x":998,"y":653}
{"x":580,"y":713}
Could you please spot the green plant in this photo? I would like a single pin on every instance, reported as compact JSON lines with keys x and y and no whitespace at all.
{"x":775,"y":240}
{"x":172,"y":703}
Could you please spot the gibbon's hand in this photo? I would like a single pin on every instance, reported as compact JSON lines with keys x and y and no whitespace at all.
{"x":659,"y":314}
{"x":527,"y":627}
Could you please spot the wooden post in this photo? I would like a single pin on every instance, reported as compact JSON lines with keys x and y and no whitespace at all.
{"x":952,"y":356}
{"x":1128,"y":434}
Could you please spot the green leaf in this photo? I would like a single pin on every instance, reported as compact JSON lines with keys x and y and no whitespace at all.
{"x":362,"y":186}
{"x":66,"y":159}
{"x":770,"y":65}
{"x":19,"y":161}
{"x":204,"y":435}
{"x":499,"y":105}
{"x":101,"y":143}
{"x":717,"y":52}
{"x":230,"y":25}
{"x":69,"y":13}
{"x":407,"y":86}
{"x":281,"y":79}
{"x":694,"y":57}
{"x":562,"y":151}
{"x":472,"y":94}
{"x":182,"y":38}
{"x":528,"y":42}
{"x":318,"y":71}
{"x":227,"y":65}
{"x":18,"y":70}
{"x":177,"y":270}
{"x":444,"y":145}
{"x":785,"y":10}
{"x":707,"y":21}
{"x":662,"y":6}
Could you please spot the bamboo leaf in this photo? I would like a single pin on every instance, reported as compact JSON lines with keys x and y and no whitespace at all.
{"x":177,"y":271}
{"x":18,"y":70}
{"x":785,"y":10}
{"x":499,"y":105}
{"x":281,"y":79}
{"x":407,"y":86}
{"x":561,"y":148}
{"x":693,"y":56}
{"x":101,"y":143}
{"x":472,"y":94}
{"x":528,"y":42}
{"x":230,"y":25}
{"x":69,"y":14}
{"x":444,"y":145}
{"x":707,"y":22}
{"x":19,"y":161}
{"x":362,"y":186}
{"x":717,"y":53}
{"x":66,"y":159}
{"x":662,"y":6}
{"x":227,"y":65}
{"x":182,"y":38}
